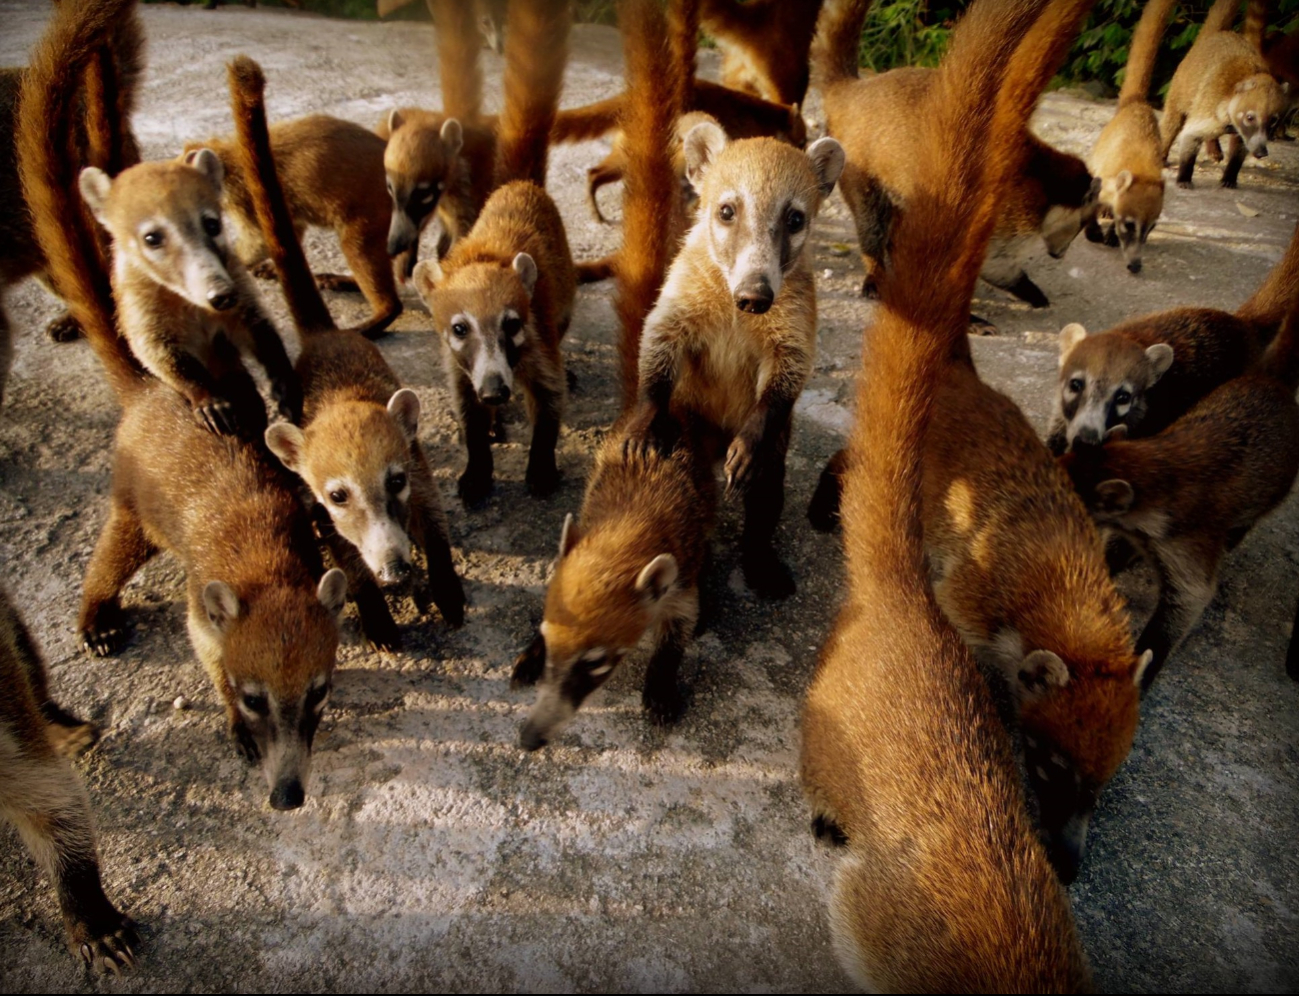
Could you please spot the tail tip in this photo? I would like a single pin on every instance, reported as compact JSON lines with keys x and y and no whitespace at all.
{"x":246,"y":76}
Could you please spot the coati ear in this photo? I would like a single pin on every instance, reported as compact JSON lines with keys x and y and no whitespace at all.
{"x":1160,"y":356}
{"x":1042,"y":671}
{"x":453,"y":136}
{"x":1246,"y":85}
{"x":286,"y":441}
{"x":702,"y":144}
{"x":95,"y":185}
{"x":827,"y":162}
{"x":207,"y":163}
{"x":221,"y":604}
{"x":1123,"y":181}
{"x":657,"y":576}
{"x":332,"y":591}
{"x":1114,"y":497}
{"x":1070,"y":336}
{"x":526,"y":267}
{"x":426,"y":276}
{"x":568,"y":536}
{"x":404,"y":407}
{"x":1143,"y":662}
{"x":1117,"y":433}
{"x":395,"y":120}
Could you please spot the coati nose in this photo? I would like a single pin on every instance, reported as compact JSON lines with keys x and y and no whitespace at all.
{"x":288,"y":795}
{"x":754,"y":295}
{"x":494,"y":391}
{"x":398,"y":243}
{"x":1260,"y":152}
{"x":1087,"y":436}
{"x":1134,"y":266}
{"x":222,"y":300}
{"x":394,"y":572}
{"x":530,"y":738}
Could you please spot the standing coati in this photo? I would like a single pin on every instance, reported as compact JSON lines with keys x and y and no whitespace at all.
{"x":1128,"y":157}
{"x":633,"y":565}
{"x":357,"y":447}
{"x":1223,"y":84}
{"x":1145,"y":373}
{"x":944,"y":886}
{"x":261,"y":617}
{"x":41,"y":796}
{"x":764,"y":45}
{"x":1052,"y":198}
{"x":333,"y":177}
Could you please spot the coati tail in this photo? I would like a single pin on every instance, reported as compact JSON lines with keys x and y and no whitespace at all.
{"x":837,"y":42}
{"x":1282,"y":285}
{"x":536,"y":51}
{"x":1278,"y":292}
{"x":1257,"y":14}
{"x":581,"y":124}
{"x":454,"y":22}
{"x":1219,"y":18}
{"x":1143,"y":51}
{"x":683,"y":37}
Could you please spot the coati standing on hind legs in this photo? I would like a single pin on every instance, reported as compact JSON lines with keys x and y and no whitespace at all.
{"x":503,"y":296}
{"x":357,"y":447}
{"x":261,"y":617}
{"x":944,"y":886}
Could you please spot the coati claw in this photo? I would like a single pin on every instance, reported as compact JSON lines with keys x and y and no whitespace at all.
{"x":530,"y":664}
{"x":218,"y":417}
{"x":827,"y":831}
{"x":109,"y":947}
{"x":337,"y":282}
{"x":665,"y":705}
{"x":104,"y":642}
{"x":739,"y":463}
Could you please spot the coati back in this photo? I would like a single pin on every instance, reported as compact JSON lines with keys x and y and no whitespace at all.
{"x":261,"y":617}
{"x":42,"y":797}
{"x":944,"y":886}
{"x":356,"y":446}
{"x":764,"y":45}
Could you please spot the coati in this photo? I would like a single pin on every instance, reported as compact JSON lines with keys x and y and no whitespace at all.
{"x":261,"y":616}
{"x":612,"y":168}
{"x":1145,"y":373}
{"x":633,"y":564}
{"x":1052,"y":198}
{"x":1128,"y":157}
{"x":944,"y":886}
{"x":1222,"y":84}
{"x":356,"y":447}
{"x":333,"y":177}
{"x":730,"y":342}
{"x":764,"y":45}
{"x":41,"y":796}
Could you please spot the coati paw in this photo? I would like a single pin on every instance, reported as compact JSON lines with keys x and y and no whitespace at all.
{"x":69,"y":735}
{"x":498,"y":434}
{"x":530,"y":665}
{"x":65,"y":328}
{"x":474,"y":489}
{"x":107,"y":634}
{"x":1226,"y":184}
{"x":823,"y":509}
{"x":740,"y":458}
{"x":665,"y":704}
{"x":107,"y":946}
{"x":767,"y":576}
{"x":543,"y":481}
{"x":381,"y":633}
{"x":218,"y":417}
{"x":245,"y":744}
{"x":827,"y":831}
{"x":337,"y":282}
{"x":1184,"y":184}
{"x":265,"y":270}
{"x":870,"y":290}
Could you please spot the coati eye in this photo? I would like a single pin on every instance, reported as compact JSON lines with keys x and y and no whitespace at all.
{"x":1076,"y":385}
{"x":794,"y":221}
{"x":338,"y":496}
{"x":459,"y":330}
{"x":396,"y":483}
{"x":154,"y":239}
{"x":512,"y":326}
{"x":257,"y":705}
{"x":212,"y":226}
{"x":726,"y":213}
{"x":1250,"y":117}
{"x":1122,"y":398}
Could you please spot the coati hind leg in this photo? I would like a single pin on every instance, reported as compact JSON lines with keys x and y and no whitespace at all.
{"x":1187,"y":582}
{"x":475,"y":484}
{"x":366,"y":252}
{"x":429,"y":525}
{"x":872,"y":212}
{"x":1292,"y":651}
{"x":606,"y":172}
{"x":122,"y":550}
{"x":547,"y":406}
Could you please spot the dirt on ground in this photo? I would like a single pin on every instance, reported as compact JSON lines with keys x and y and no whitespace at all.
{"x":432,"y":852}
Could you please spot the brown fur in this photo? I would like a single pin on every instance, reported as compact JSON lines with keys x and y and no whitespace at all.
{"x":614,"y":166}
{"x":536,"y":50}
{"x":333,"y":177}
{"x":263,"y":627}
{"x":1223,"y":82}
{"x":482,"y":284}
{"x":42,"y":797}
{"x":356,"y":447}
{"x":764,"y":45}
{"x":945,"y":886}
{"x":456,"y":35}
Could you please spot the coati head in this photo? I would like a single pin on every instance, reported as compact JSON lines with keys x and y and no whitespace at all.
{"x":1103,"y":383}
{"x":165,"y":220}
{"x":483,"y":312}
{"x":757,"y":199}
{"x":276,"y":652}
{"x":356,"y":458}
{"x":1132,"y":207}
{"x":421,"y":161}
{"x":1076,"y":734}
{"x":1253,"y":109}
{"x":602,"y":599}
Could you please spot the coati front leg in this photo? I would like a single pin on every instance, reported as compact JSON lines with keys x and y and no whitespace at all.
{"x":68,"y":734}
{"x":547,"y":403}
{"x":530,"y":665}
{"x":429,"y":525}
{"x":661,"y":696}
{"x":366,"y":252}
{"x":1235,"y":159}
{"x":823,"y":509}
{"x":872,"y":211}
{"x":268,"y":348}
{"x":122,"y":549}
{"x":1188,"y":146}
{"x":652,"y":423}
{"x":377,"y":623}
{"x":763,"y":482}
{"x":1187,"y":581}
{"x":475,"y":484}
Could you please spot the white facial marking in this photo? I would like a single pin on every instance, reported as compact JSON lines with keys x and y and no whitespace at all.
{"x":490,"y":360}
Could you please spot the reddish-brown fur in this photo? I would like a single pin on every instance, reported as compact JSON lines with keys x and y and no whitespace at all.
{"x":536,"y":50}
{"x":764,"y":45}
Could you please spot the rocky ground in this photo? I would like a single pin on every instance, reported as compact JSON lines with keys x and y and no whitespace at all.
{"x":434,"y":854}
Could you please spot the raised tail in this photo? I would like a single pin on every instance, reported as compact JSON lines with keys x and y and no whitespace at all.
{"x":652,"y":218}
{"x":837,"y":42}
{"x":1278,"y":292}
{"x":1143,"y":51}
{"x":536,"y":51}
{"x":683,"y":38}
{"x":1257,"y":14}
{"x":111,"y":87}
{"x":47,"y":163}
{"x":253,"y":139}
{"x":581,"y":124}
{"x":1219,"y":18}
{"x":458,"y":46}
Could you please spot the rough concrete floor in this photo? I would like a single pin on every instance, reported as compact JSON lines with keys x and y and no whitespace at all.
{"x":432,"y":853}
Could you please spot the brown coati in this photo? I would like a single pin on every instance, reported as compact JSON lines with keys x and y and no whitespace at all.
{"x":333,"y":177}
{"x":41,"y":796}
{"x":633,"y":564}
{"x":1128,"y":157}
{"x":261,"y":616}
{"x":764,"y":45}
{"x":356,"y":446}
{"x":1145,"y":373}
{"x":944,"y":886}
{"x":1223,"y":84}
{"x":1051,"y":200}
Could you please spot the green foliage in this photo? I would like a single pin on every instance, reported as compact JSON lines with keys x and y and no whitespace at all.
{"x":906,"y":33}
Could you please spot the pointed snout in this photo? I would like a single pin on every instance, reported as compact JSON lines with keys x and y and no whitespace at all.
{"x":288,"y":794}
{"x":1066,"y":847}
{"x":1087,"y":435}
{"x":394,"y":572}
{"x":494,"y":390}
{"x":1134,"y":265}
{"x":754,"y":295}
{"x":401,"y":233}
{"x":531,"y":737}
